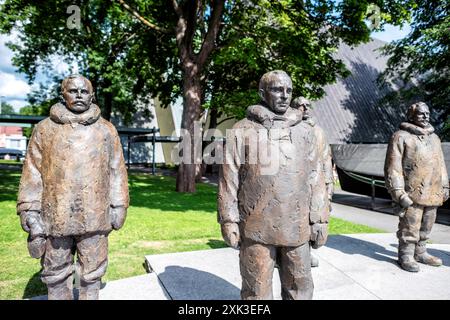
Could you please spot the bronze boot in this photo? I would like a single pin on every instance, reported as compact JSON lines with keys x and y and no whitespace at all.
{"x":406,"y":257}
{"x":424,"y":257}
{"x":61,"y":290}
{"x":89,"y":291}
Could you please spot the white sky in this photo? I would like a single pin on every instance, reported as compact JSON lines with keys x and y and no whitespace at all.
{"x":392,"y":33}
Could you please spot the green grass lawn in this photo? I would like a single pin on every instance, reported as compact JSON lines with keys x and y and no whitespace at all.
{"x":159,"y":220}
{"x":3,"y":161}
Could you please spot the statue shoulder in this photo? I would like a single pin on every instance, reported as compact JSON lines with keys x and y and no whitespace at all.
{"x":400,"y":136}
{"x":108,"y":126}
{"x":43,"y":127}
{"x":436,"y":138}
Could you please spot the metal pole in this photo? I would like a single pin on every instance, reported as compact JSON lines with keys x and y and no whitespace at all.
{"x":153,"y":151}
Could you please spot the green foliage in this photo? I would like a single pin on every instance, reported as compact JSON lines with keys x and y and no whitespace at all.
{"x":419,"y":63}
{"x":159,"y":220}
{"x":128,"y":62}
{"x":111,"y":48}
{"x":299,"y":37}
{"x":6,"y":108}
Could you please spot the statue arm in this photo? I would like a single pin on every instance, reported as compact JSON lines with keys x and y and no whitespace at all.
{"x":31,"y":187}
{"x":227,"y":200}
{"x":321,"y":184}
{"x":119,"y":197}
{"x":321,"y":180}
{"x":393,"y":168}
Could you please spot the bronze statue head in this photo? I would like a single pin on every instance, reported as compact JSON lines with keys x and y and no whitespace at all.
{"x":303,"y":105}
{"x":275,"y":90}
{"x":419,"y":114}
{"x":77,"y":93}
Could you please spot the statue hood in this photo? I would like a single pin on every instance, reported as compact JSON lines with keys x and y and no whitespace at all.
{"x":414,"y":129}
{"x":60,"y":114}
{"x":267,"y":117}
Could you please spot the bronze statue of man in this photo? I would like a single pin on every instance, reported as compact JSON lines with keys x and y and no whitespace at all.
{"x":416,"y":178}
{"x":274,"y":216}
{"x":73,"y":191}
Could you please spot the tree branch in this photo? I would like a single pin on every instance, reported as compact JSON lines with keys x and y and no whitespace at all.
{"x":185,"y":30}
{"x":176,"y":8}
{"x":140,"y":18}
{"x":223,"y":120}
{"x":211,"y":35}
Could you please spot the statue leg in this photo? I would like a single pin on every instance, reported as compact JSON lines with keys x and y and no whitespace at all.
{"x":57,"y":264}
{"x":408,"y":237}
{"x":256,"y":262}
{"x":295,"y":273}
{"x":421,"y":254}
{"x":92,"y":253}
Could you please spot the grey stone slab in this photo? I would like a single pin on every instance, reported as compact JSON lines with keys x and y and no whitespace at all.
{"x":214,"y":275}
{"x":352,"y":267}
{"x":144,"y":287}
{"x":331,"y":283}
{"x":199,"y":275}
{"x":371,"y":261}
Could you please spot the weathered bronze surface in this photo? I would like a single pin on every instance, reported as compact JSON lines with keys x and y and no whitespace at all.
{"x":274,"y":216}
{"x":73,"y":191}
{"x":416,"y":178}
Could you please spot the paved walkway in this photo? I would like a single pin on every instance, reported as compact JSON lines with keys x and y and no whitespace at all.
{"x":384,"y":221}
{"x":351,"y":267}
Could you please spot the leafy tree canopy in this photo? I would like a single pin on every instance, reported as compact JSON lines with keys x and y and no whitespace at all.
{"x":6,"y":108}
{"x":419,"y":63}
{"x":211,"y":53}
{"x":128,"y":61}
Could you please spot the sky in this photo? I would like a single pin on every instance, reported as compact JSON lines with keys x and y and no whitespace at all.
{"x":14,"y":86}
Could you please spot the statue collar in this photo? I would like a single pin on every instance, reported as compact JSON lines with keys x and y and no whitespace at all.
{"x":261,"y":114}
{"x":414,"y":129}
{"x":60,"y":114}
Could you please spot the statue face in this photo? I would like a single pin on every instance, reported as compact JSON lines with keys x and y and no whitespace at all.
{"x":277,"y":93}
{"x":77,"y":94}
{"x":421,"y":117}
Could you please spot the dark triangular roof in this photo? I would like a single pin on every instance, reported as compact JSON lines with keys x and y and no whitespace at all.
{"x":350,"y":112}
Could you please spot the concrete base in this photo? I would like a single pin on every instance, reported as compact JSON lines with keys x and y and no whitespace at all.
{"x":144,"y":287}
{"x":362,"y":266}
{"x":351,"y":267}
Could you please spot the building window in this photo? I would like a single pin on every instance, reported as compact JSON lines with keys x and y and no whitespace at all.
{"x":14,"y":144}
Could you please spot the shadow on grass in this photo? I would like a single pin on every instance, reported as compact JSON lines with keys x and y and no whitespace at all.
{"x":35,"y":287}
{"x":216,"y":244}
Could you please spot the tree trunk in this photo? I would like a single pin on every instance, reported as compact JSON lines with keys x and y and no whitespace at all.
{"x":191,"y":112}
